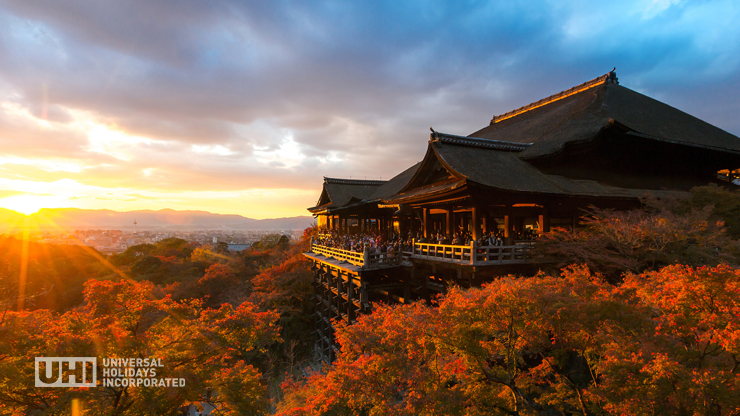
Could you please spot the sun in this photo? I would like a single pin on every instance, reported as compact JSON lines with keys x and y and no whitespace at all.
{"x":29,"y":204}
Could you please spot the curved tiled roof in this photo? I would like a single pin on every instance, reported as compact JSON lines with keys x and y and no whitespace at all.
{"x":353,"y":182}
{"x":579,"y":114}
{"x":477,"y":142}
{"x":497,"y":156}
{"x":340,"y":192}
{"x":504,"y":171}
{"x":395,"y":184}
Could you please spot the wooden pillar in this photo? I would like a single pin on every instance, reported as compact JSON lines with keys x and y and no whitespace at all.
{"x":350,"y":299}
{"x":508,"y":231}
{"x":544,"y":223}
{"x":448,"y":223}
{"x":427,"y":222}
{"x":485,"y":220}
{"x":475,"y":223}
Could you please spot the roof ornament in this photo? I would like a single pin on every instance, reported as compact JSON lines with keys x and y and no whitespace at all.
{"x":434,"y":136}
{"x":611,"y":77}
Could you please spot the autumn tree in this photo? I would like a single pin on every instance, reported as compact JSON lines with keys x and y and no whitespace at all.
{"x":663,"y":342}
{"x":724,"y":204}
{"x":663,"y":232}
{"x":49,"y":276}
{"x":686,"y":358}
{"x":271,"y":241}
{"x":212,"y":349}
{"x":511,"y":347}
{"x":286,"y":287}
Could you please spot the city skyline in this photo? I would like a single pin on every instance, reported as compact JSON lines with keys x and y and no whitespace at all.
{"x":241,"y":108}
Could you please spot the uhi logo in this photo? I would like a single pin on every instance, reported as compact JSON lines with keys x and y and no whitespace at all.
{"x":66,"y":371}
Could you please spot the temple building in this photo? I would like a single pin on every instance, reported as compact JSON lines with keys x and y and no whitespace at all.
{"x":598,"y":144}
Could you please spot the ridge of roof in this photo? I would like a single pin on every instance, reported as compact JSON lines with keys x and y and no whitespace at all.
{"x":611,"y":76}
{"x":359,"y":182}
{"x":477,"y":142}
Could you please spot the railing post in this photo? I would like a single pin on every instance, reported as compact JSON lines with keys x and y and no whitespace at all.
{"x":413,"y":247}
{"x":473,"y":253}
{"x":366,"y":256}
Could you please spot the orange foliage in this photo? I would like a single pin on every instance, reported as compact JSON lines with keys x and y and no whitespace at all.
{"x":206,"y":347}
{"x":664,"y":342}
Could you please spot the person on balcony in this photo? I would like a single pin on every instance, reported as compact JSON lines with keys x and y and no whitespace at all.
{"x":420,"y":238}
{"x":458,"y":241}
{"x":442,"y":239}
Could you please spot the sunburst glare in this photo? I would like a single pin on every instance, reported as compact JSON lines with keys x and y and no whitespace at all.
{"x":31,"y":204}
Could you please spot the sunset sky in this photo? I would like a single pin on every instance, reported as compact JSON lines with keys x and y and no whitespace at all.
{"x":242,"y":107}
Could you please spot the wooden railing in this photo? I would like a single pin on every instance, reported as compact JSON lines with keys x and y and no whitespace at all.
{"x":350,"y":257}
{"x":364,"y":259}
{"x":473,"y":254}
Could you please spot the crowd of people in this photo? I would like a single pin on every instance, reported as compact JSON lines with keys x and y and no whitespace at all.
{"x":375,"y":241}
{"x":378,"y":242}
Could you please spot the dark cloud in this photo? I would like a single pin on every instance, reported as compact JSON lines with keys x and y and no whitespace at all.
{"x":237,"y":95}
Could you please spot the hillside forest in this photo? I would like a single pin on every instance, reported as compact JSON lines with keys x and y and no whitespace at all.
{"x":637,"y":312}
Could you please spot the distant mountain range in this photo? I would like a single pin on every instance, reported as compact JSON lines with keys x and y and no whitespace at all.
{"x":87,"y":218}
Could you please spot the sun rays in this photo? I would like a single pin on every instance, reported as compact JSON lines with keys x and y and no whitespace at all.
{"x":30,"y":204}
{"x":32,"y":225}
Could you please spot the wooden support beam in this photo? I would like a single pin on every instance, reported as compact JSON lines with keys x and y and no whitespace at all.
{"x":475,"y":223}
{"x":544,"y":223}
{"x":448,"y":223}
{"x":427,"y":223}
{"x":508,"y":231}
{"x":350,"y":299}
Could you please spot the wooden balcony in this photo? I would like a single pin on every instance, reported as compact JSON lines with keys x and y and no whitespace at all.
{"x":473,"y":254}
{"x":363,"y":260}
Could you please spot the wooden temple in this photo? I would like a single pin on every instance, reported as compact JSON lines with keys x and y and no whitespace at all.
{"x":537,"y":167}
